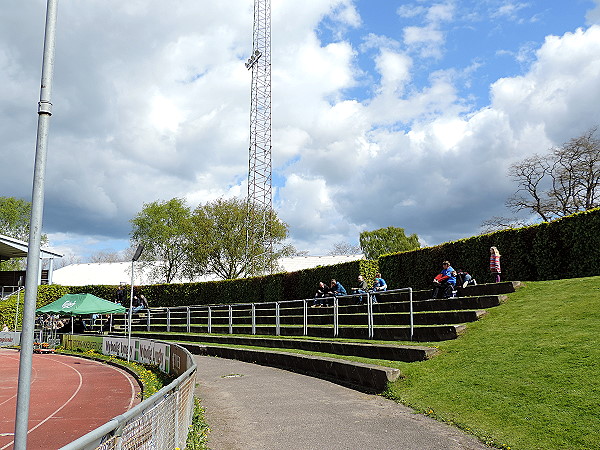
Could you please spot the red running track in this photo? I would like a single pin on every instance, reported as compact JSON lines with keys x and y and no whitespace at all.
{"x":69,"y":397}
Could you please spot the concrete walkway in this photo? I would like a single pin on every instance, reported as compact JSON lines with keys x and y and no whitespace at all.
{"x":255,"y":407}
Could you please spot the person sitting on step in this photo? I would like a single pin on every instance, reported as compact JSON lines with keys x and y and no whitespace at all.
{"x":444,"y":282}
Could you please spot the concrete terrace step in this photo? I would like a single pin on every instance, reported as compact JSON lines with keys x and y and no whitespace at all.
{"x":421,"y":333}
{"x":406,"y":353}
{"x":365,"y":377}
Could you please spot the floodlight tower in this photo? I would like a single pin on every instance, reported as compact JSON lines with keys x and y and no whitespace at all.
{"x":260,"y":201}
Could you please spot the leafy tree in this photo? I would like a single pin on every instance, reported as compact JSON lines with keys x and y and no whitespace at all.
{"x":219,"y":240}
{"x":564,"y":182}
{"x":164,"y":228}
{"x":344,"y":248}
{"x":15,"y":215}
{"x":387,"y":240}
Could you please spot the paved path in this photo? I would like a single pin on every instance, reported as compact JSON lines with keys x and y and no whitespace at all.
{"x":254,"y":407}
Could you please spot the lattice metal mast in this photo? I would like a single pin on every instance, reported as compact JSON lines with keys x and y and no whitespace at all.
{"x":259,"y":162}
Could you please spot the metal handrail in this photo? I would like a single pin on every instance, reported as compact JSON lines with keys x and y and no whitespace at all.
{"x":277,"y":306}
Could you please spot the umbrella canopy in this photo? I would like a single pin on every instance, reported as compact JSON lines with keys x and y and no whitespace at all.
{"x":81,"y":304}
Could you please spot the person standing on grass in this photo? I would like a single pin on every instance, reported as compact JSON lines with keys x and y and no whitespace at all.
{"x":495,"y":264}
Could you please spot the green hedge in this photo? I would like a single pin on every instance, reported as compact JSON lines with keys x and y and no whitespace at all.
{"x":565,"y":248}
{"x":46,"y":294}
{"x":277,"y":287}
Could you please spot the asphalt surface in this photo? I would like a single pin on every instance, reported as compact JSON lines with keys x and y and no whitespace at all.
{"x":255,"y":407}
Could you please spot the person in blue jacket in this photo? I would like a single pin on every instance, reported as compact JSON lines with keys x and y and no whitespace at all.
{"x":337,"y":289}
{"x":444,"y":282}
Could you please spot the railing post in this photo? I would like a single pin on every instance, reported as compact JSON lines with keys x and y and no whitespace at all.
{"x":168,"y":320}
{"x":335,"y":317}
{"x":189,"y":319}
{"x":230,"y":319}
{"x":370,"y":315}
{"x":253,"y":318}
{"x":412,"y":325}
{"x":148,"y":320}
{"x":305,"y":308}
{"x":277,"y":320}
{"x":209,"y":319}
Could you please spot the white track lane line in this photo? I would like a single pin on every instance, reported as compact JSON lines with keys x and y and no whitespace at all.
{"x":116,"y":369}
{"x":33,"y":378}
{"x":63,"y":405}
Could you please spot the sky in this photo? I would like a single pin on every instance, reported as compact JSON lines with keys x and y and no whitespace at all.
{"x":385,"y":113}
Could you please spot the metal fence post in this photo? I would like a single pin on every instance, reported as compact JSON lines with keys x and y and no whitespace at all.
{"x":168,"y":320}
{"x":370,"y":315}
{"x":209,"y":319}
{"x":277,"y":320}
{"x":148,"y":320}
{"x":253,"y":318}
{"x":189,"y":319}
{"x":305,"y":331}
{"x":412,"y":325}
{"x":230,"y":319}
{"x":335,"y":317}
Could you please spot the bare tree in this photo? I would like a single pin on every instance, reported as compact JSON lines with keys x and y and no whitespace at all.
{"x":106,"y":257}
{"x":344,"y":248}
{"x":563,"y":182}
{"x":66,"y":260}
{"x":498,"y":223}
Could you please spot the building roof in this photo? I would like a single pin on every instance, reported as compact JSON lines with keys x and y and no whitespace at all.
{"x":296,"y":263}
{"x":14,"y":248}
{"x":120,"y":272}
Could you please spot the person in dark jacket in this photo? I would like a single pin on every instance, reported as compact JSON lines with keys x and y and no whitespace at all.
{"x":321,"y":295}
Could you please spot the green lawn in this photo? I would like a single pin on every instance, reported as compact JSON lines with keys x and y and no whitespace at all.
{"x":526,"y":376}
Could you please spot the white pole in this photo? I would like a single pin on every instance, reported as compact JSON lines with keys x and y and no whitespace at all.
{"x":138,"y":252}
{"x":130,"y":315}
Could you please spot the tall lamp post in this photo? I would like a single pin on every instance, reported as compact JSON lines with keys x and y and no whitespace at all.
{"x":35,"y":231}
{"x":136,"y":256}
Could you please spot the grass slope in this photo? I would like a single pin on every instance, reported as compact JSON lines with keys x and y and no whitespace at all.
{"x":526,"y":376}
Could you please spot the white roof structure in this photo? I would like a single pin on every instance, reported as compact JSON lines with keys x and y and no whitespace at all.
{"x":296,"y":263}
{"x":15,"y":248}
{"x":120,"y":273}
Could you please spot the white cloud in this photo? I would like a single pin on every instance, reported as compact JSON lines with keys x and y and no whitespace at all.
{"x":593,"y":15}
{"x":428,"y":40}
{"x":159,"y":107}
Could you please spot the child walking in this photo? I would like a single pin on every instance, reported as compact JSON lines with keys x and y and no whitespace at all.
{"x":495,"y":264}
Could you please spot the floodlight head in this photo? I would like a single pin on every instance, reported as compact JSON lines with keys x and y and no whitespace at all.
{"x":138,"y":252}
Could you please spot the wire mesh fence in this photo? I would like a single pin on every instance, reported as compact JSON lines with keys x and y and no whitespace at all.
{"x":160,"y":422}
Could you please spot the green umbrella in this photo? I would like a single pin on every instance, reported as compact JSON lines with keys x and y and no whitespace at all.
{"x":81,"y":304}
